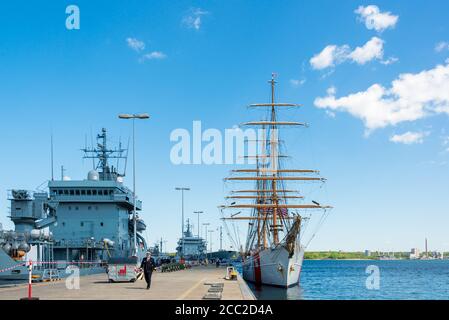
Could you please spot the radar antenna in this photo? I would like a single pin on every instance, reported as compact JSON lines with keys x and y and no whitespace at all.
{"x":104,"y":154}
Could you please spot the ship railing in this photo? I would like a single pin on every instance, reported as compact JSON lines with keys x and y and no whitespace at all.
{"x":84,"y":198}
{"x":128,"y":199}
{"x":62,"y":265}
{"x":80,"y":244}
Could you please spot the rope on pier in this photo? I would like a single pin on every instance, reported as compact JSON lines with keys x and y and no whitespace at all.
{"x":12,"y":268}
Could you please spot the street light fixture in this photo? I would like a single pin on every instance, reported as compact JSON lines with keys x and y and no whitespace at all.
{"x":133,"y":117}
{"x":199,"y":230}
{"x":182,"y":189}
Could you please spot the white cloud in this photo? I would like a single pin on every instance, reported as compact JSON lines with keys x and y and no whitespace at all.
{"x":329,"y":57}
{"x":139,"y":46}
{"x":410,"y":97}
{"x":445,"y":143}
{"x":409,"y":137}
{"x":135,"y":44}
{"x":153,"y":55}
{"x":330,"y":114}
{"x":442,"y":46}
{"x":333,"y":55}
{"x":193,"y":19}
{"x":374,"y":19}
{"x":389,"y":61}
{"x":331,"y":91}
{"x":327,"y":74}
{"x":373,"y":49}
{"x":436,"y":163}
{"x":297,"y":82}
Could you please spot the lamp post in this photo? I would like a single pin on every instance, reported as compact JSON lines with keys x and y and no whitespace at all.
{"x":199,"y":228}
{"x":133,"y":117}
{"x":206,"y":225}
{"x":221,"y":238}
{"x":211,"y":233}
{"x":182,"y":189}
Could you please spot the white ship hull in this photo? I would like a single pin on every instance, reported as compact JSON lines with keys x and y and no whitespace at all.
{"x":274,"y":267}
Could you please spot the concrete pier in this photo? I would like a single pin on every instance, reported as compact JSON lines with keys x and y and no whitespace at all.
{"x":192,"y":284}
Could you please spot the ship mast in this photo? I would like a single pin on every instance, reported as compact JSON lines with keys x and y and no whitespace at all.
{"x":104,"y":154}
{"x":274,"y":162}
{"x":259,"y":198}
{"x":271,"y":215}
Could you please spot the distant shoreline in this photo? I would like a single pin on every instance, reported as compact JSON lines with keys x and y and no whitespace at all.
{"x":324,"y":259}
{"x":373,"y":259}
{"x":361,"y":256}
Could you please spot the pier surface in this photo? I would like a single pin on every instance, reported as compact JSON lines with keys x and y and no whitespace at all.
{"x":191,"y":284}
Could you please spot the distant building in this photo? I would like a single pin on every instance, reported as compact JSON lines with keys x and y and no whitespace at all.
{"x":437,"y":255}
{"x":367,"y":253}
{"x":415,"y":254}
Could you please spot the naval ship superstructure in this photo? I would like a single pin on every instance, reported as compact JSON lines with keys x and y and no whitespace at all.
{"x":191,"y":247}
{"x":77,"y":222}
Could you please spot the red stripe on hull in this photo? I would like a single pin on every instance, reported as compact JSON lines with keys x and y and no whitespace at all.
{"x":257,"y":270}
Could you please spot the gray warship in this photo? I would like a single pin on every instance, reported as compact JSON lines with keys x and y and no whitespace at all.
{"x":191,"y":247}
{"x":83,"y":223}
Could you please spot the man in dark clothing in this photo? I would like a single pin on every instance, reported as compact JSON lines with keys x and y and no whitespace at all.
{"x":148,"y":266}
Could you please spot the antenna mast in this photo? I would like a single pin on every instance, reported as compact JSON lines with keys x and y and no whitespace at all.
{"x":52,"y":159}
{"x":63,"y":170}
{"x":274,"y":159}
{"x":103,"y":154}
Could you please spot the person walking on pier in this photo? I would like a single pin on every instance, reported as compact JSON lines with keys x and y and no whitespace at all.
{"x":148,"y":266}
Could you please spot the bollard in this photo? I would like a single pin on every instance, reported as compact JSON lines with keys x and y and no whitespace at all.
{"x":30,"y":282}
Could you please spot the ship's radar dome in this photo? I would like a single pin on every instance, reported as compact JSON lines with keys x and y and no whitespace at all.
{"x":120,"y":179}
{"x":15,"y":245}
{"x":35,"y":234}
{"x":24,"y":247}
{"x":93,"y":175}
{"x":109,"y":243}
{"x":7,"y":248}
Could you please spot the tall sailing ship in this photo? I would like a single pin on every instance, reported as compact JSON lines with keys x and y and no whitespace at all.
{"x":274,"y":251}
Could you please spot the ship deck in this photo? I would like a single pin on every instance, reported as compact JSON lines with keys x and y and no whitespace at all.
{"x":182,"y":285}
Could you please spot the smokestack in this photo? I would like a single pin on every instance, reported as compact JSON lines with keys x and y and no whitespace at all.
{"x":427,"y":252}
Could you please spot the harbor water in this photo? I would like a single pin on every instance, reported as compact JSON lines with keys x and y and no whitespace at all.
{"x":347,"y":280}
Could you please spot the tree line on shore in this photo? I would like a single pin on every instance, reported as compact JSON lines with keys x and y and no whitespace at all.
{"x":340,"y":255}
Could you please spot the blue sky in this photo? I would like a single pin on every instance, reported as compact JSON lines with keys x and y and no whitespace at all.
{"x":384,"y":151}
